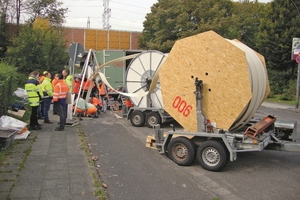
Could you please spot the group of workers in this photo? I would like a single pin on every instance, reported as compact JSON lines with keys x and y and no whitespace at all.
{"x":42,"y":91}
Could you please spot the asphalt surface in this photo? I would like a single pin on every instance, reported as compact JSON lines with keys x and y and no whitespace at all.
{"x":53,"y":165}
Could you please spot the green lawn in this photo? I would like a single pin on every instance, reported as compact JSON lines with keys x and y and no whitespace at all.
{"x":276,"y":99}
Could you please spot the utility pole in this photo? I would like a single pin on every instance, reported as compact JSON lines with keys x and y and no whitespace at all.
{"x":298,"y":73}
{"x":105,"y":19}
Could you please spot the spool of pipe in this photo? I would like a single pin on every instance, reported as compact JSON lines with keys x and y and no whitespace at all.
{"x":235,"y":81}
{"x":139,"y":76}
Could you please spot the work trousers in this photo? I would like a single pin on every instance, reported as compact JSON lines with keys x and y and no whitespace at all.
{"x":33,"y":117}
{"x":60,"y":109}
{"x":104,"y":104}
{"x":47,"y":104}
{"x":40,"y":110}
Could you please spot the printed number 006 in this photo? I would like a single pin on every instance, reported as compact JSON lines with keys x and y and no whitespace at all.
{"x":182,"y":106}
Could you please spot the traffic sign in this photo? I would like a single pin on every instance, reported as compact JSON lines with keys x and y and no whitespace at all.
{"x":298,"y":59}
{"x":76,"y":51}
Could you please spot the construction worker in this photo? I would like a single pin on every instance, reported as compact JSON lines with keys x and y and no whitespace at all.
{"x":76,"y":86}
{"x":102,"y":95}
{"x":34,"y":97}
{"x":43,"y":76}
{"x":40,"y":111}
{"x":84,"y":107}
{"x":68,"y":78}
{"x":59,"y":101}
{"x":55,"y":80}
{"x":47,"y":89}
{"x":86,"y":84}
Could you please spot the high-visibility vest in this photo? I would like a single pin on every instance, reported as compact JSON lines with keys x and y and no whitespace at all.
{"x":86,"y":85}
{"x":76,"y":86}
{"x":54,"y":81}
{"x":47,"y":88}
{"x":41,"y":79}
{"x":32,"y":91}
{"x":69,"y":81}
{"x":60,"y":90}
{"x":102,"y":90}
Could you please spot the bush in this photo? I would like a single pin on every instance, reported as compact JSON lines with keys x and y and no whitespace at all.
{"x":278,"y":81}
{"x":9,"y":82}
{"x":289,"y":93}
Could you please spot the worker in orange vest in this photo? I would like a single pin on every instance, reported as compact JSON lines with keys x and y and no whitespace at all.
{"x":102,"y":94}
{"x":76,"y":86}
{"x":86,"y":84}
{"x":54,"y":80}
{"x":59,"y":101}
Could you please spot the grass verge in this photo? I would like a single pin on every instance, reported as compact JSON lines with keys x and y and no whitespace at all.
{"x":276,"y":99}
{"x":97,"y":183}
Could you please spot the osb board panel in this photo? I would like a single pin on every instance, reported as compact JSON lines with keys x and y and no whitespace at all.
{"x":224,"y":71}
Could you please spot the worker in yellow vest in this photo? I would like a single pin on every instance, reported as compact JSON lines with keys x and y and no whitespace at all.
{"x":47,"y":89}
{"x":34,"y":97}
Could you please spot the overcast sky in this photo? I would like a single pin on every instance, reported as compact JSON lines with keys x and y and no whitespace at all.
{"x":125,"y":15}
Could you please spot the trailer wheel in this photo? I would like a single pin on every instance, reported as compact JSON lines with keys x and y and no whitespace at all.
{"x":212,"y":155}
{"x":137,"y":118}
{"x":152,"y":119}
{"x":182,"y":151}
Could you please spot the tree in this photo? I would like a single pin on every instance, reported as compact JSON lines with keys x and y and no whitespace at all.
{"x":38,"y":47}
{"x":4,"y":42}
{"x":274,"y":41}
{"x":172,"y":20}
{"x":245,"y":21}
{"x":50,"y":9}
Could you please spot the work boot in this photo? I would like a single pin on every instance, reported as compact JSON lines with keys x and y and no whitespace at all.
{"x":34,"y":128}
{"x":59,"y":129}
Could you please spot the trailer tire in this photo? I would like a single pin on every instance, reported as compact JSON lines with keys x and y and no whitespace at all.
{"x":182,"y":151}
{"x":152,"y":119}
{"x":137,"y":118}
{"x":212,"y":155}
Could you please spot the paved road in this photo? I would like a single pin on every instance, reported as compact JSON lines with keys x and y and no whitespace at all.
{"x":132,"y":171}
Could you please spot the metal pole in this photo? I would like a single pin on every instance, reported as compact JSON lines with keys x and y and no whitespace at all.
{"x":298,"y":74}
{"x":298,"y":86}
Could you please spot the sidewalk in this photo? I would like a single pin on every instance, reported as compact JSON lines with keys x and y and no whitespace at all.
{"x":280,"y":106}
{"x":47,"y":165}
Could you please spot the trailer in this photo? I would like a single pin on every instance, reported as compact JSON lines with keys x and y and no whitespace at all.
{"x":148,"y":116}
{"x":213,"y":147}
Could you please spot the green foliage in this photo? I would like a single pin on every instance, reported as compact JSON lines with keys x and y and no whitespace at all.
{"x":4,"y":42}
{"x":289,"y":93}
{"x":39,"y":47}
{"x":171,"y":20}
{"x":276,"y":31}
{"x":9,"y":82}
{"x":47,"y":9}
